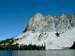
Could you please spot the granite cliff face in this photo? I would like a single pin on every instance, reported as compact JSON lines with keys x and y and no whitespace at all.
{"x":42,"y":23}
{"x":56,"y":32}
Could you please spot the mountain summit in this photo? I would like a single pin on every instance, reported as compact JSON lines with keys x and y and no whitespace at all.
{"x":55,"y":32}
{"x":42,"y":23}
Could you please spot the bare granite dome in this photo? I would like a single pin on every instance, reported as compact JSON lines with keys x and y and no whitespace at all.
{"x":57,"y":32}
{"x":41,"y":23}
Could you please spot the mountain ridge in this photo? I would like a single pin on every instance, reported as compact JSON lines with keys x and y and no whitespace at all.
{"x":54,"y":31}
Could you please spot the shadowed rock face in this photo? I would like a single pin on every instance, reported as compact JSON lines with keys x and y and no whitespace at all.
{"x":73,"y":46}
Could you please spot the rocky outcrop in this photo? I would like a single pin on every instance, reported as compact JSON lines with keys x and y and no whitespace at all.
{"x":57,"y":32}
{"x":42,"y":23}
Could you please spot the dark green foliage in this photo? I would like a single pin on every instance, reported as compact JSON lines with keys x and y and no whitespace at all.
{"x":22,"y":47}
{"x":7,"y":40}
{"x":11,"y":46}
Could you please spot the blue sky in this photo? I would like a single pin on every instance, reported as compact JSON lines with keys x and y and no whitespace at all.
{"x":14,"y":14}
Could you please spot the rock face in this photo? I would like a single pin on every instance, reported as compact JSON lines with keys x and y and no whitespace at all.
{"x":56,"y":32}
{"x":73,"y":46}
{"x":43,"y":23}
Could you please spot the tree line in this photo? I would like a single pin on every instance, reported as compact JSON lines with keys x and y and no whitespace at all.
{"x":8,"y":45}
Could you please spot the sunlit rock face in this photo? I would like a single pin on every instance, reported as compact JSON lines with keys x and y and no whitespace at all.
{"x":55,"y":32}
{"x":42,"y":23}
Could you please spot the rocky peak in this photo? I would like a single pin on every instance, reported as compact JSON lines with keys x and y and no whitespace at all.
{"x":56,"y":32}
{"x":41,"y":23}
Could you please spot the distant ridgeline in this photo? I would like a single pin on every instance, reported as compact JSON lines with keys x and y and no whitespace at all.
{"x":44,"y":32}
{"x":49,"y":23}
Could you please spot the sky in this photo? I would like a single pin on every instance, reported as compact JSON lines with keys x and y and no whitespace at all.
{"x":15,"y":14}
